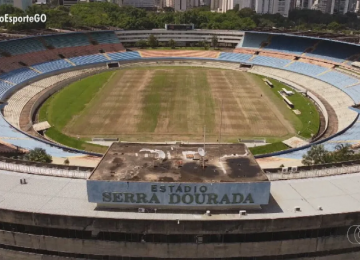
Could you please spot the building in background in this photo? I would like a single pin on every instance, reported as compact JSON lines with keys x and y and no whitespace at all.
{"x":183,"y":5}
{"x":329,"y":6}
{"x":141,"y":3}
{"x":6,"y":2}
{"x":178,"y":5}
{"x":22,"y":4}
{"x":260,"y":6}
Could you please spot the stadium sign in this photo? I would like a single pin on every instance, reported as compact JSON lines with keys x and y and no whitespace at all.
{"x":179,"y":194}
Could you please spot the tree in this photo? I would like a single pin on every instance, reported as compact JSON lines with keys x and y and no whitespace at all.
{"x":316,"y":155}
{"x":141,"y":44}
{"x":246,"y":12}
{"x":214,"y":41}
{"x":343,"y":153}
{"x":172,"y":44}
{"x":66,"y":161}
{"x":168,"y":9}
{"x":204,"y":44}
{"x":334,"y":26}
{"x":38,"y":155}
{"x":236,"y":8}
{"x":152,"y":41}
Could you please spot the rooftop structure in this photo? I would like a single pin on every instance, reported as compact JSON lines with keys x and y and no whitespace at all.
{"x":178,"y":163}
{"x":182,"y":176}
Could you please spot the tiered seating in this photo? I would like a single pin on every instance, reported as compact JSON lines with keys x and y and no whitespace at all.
{"x":82,"y":60}
{"x":296,"y":45}
{"x":306,"y":68}
{"x":254,"y":40}
{"x":19,"y":75}
{"x":52,"y":66}
{"x":4,"y":87}
{"x":324,"y":49}
{"x":236,"y":57}
{"x":338,"y":79}
{"x":118,"y":56}
{"x":67,"y":40}
{"x":10,"y":135}
{"x":18,"y":100}
{"x":179,"y":54}
{"x":105,"y":37}
{"x":269,"y":61}
{"x":21,"y":46}
{"x":335,"y":51}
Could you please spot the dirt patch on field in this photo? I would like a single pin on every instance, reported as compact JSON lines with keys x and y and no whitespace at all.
{"x":116,"y":108}
{"x":246,"y":109}
{"x":158,"y":104}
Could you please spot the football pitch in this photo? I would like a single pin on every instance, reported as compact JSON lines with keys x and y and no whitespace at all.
{"x":170,"y":104}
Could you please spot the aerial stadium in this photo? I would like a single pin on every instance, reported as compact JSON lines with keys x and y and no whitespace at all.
{"x":168,"y":149}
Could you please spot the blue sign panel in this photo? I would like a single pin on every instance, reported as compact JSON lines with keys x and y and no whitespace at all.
{"x":178,"y":194}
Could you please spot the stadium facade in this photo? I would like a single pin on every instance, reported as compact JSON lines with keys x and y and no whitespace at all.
{"x":47,"y":217}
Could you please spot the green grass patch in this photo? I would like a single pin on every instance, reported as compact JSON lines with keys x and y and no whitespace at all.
{"x":152,"y":102}
{"x":70,"y":101}
{"x":62,"y":107}
{"x":308,"y":110}
{"x":270,"y":148}
{"x":59,"y":137}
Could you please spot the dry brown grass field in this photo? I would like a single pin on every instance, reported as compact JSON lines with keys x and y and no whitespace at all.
{"x":174,"y":103}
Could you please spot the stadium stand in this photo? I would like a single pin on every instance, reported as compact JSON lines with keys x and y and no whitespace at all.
{"x":67,"y":40}
{"x":306,"y":68}
{"x":19,"y":99}
{"x":338,"y":79}
{"x":90,"y":59}
{"x":299,"y":45}
{"x":52,"y":66}
{"x":180,"y":54}
{"x":254,"y":40}
{"x":19,"y":75}
{"x":325,"y":50}
{"x":270,"y":61}
{"x":10,"y":135}
{"x":124,"y":56}
{"x":296,"y":45}
{"x":4,"y":87}
{"x":21,"y":46}
{"x":104,"y":37}
{"x":33,"y":51}
{"x":235,"y":57}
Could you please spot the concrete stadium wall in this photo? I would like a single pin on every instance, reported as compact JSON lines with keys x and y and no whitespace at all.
{"x":46,"y":165}
{"x":196,"y":227}
{"x":6,"y":254}
{"x":175,"y":250}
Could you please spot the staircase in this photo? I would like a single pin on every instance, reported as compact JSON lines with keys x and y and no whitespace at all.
{"x":69,"y":61}
{"x":37,"y":71}
{"x":46,"y":45}
{"x":91,"y":39}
